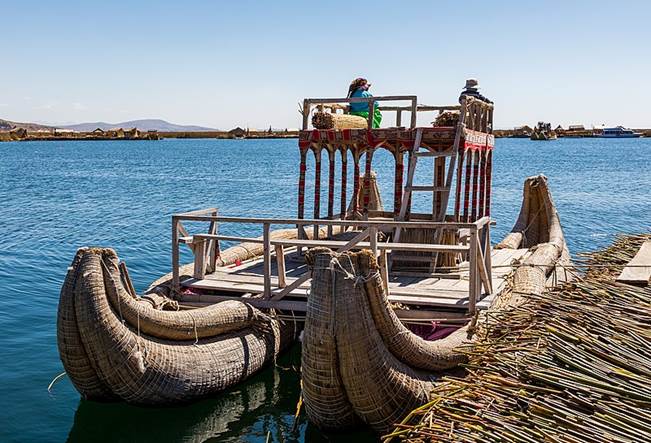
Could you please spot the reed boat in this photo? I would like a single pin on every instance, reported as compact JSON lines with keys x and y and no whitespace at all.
{"x":362,"y":363}
{"x":213,"y":322}
{"x":543,"y":131}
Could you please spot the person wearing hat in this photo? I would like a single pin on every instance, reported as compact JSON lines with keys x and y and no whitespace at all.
{"x":472,"y":90}
{"x":359,"y":88}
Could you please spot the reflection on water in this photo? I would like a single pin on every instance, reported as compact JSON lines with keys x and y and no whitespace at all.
{"x":260,"y":407}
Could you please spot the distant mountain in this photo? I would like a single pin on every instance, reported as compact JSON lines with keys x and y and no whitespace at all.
{"x":144,"y":125}
{"x":6,"y":125}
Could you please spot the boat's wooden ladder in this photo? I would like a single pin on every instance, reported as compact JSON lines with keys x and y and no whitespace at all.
{"x":440,"y":189}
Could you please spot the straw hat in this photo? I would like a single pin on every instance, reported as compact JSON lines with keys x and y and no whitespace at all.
{"x":472,"y":83}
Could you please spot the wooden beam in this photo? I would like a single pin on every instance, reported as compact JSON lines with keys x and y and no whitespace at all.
{"x":412,"y":247}
{"x":325,"y":222}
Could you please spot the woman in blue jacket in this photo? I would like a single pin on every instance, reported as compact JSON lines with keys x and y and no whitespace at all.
{"x":359,"y":88}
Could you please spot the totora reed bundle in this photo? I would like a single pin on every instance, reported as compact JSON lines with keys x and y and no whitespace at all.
{"x":569,"y":365}
{"x":330,"y":120}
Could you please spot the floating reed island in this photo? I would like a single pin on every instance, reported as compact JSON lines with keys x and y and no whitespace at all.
{"x":568,"y":365}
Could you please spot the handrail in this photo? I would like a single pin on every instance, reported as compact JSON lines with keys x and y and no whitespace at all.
{"x":326,"y":222}
{"x":370,"y":100}
{"x":205,"y":246}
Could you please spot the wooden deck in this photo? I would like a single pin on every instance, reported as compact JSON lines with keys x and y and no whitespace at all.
{"x":434,"y":292}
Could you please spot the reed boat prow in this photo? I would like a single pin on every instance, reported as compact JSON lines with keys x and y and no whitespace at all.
{"x":373,"y":368}
{"x":116,"y":346}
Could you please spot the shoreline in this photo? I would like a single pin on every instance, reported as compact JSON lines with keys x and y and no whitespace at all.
{"x":8,"y":136}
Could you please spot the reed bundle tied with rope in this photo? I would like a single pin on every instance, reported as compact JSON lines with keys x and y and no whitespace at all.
{"x":569,"y":365}
{"x":447,"y":118}
{"x":330,"y":120}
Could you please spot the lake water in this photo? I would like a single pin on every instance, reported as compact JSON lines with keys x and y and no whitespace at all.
{"x":58,"y":196}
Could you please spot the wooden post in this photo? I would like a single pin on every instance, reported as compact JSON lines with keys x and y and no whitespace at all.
{"x":473,"y":277}
{"x":414,"y":106}
{"x":371,"y":113}
{"x":280,"y":262}
{"x":266,"y":264}
{"x":306,"y":113}
{"x":384,"y":270}
{"x":475,"y":185}
{"x":355,"y":180}
{"x":317,"y":190}
{"x":439,"y":174}
{"x":331,"y":186}
{"x":301,"y":184}
{"x":489,"y":174}
{"x":487,"y":251}
{"x":367,"y":179}
{"x":466,"y":189}
{"x":344,"y":180}
{"x":482,"y":184}
{"x":372,"y":233}
{"x":200,"y":259}
{"x":176,"y":284}
{"x":398,"y":177}
{"x":399,"y":118}
{"x":457,"y":201}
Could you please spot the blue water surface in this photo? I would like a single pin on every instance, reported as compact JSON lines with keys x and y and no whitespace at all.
{"x":58,"y":196}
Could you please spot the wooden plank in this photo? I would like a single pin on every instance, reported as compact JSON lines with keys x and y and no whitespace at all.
{"x":638,"y":270}
{"x":413,"y":247}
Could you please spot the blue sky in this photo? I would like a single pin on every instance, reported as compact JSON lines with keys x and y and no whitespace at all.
{"x":222,"y":64}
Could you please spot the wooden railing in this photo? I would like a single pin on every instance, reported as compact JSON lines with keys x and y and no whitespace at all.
{"x":474,"y":244}
{"x":334,"y":104}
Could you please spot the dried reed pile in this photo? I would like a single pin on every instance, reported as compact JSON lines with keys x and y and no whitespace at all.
{"x":569,"y":365}
{"x":330,"y":120}
{"x":447,"y":118}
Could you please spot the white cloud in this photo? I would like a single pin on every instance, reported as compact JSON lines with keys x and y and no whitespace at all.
{"x":4,"y":105}
{"x":79,"y":106}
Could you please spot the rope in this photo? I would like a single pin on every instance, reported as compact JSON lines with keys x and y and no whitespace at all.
{"x":57,"y":378}
{"x":194,"y":326}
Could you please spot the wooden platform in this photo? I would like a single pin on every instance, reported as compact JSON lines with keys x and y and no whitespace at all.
{"x":437,"y":292}
{"x":638,"y":270}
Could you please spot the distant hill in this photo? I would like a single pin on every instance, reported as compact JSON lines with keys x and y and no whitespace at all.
{"x":144,"y":125}
{"x":7,"y":125}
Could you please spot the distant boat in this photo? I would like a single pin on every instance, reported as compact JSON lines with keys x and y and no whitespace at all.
{"x":543,"y":131}
{"x":619,"y":132}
